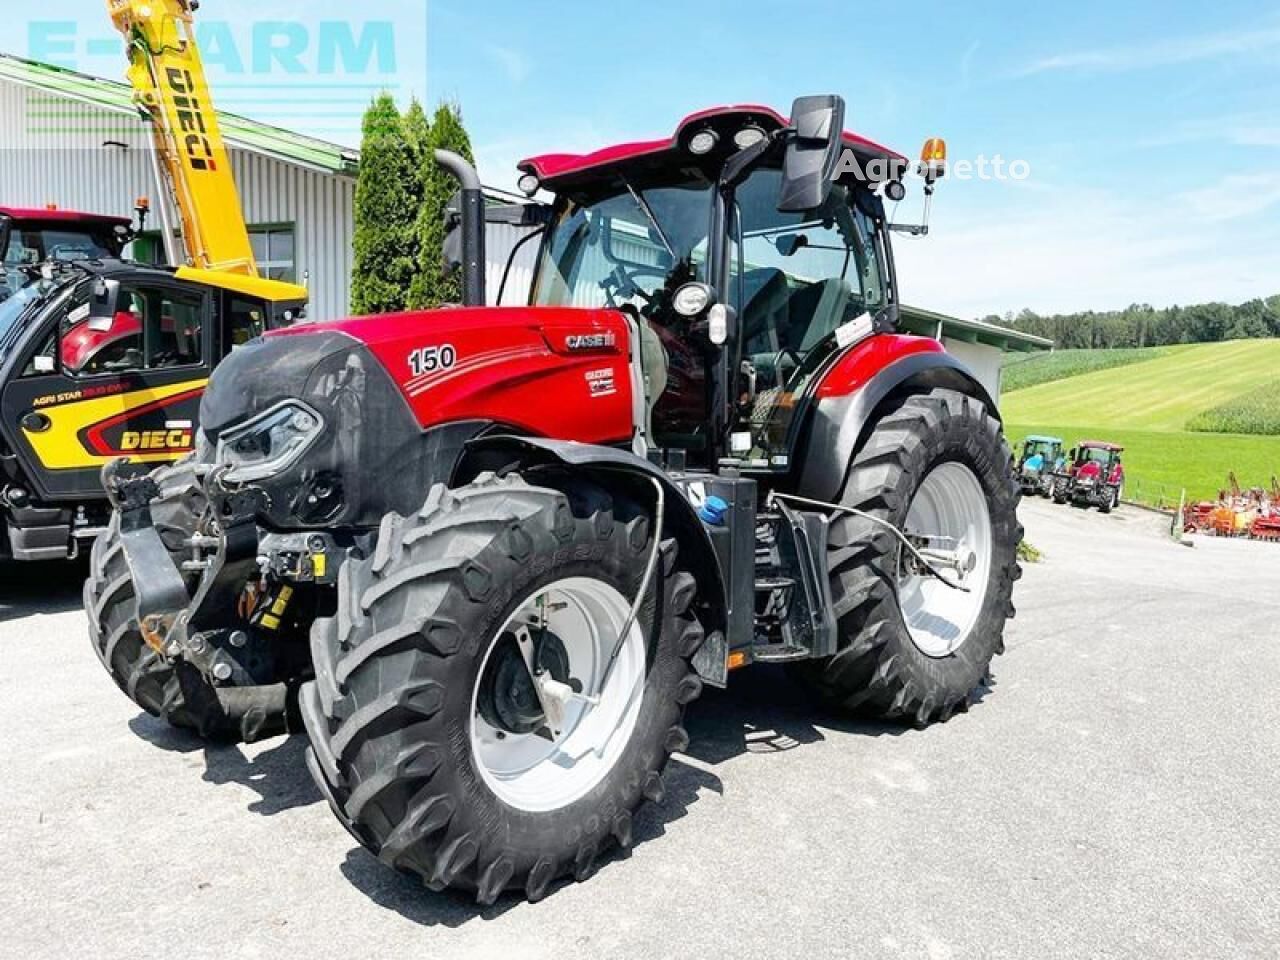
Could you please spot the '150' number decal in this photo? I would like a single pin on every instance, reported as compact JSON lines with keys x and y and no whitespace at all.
{"x":430,"y":359}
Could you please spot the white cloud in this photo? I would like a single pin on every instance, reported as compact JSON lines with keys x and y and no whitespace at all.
{"x":966,"y":62}
{"x":1249,"y":129}
{"x":1235,"y":196}
{"x":1160,"y":53}
{"x":514,"y":63}
{"x":1079,"y":249}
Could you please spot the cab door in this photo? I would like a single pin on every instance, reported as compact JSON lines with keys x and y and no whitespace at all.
{"x":118,"y":373}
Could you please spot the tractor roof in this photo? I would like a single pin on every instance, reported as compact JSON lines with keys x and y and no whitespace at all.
{"x":558,"y":168}
{"x":1036,"y":438}
{"x":1099,"y":445}
{"x":45,"y":215}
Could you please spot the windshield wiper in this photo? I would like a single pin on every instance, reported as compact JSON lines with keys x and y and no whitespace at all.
{"x":643,"y":204}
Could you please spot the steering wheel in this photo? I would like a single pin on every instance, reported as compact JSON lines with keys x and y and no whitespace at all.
{"x":623,"y":280}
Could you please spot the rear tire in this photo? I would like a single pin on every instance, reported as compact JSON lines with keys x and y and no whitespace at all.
{"x":886,"y":667}
{"x":391,"y":713}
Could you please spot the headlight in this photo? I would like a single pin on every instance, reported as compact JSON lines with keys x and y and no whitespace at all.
{"x":269,"y":443}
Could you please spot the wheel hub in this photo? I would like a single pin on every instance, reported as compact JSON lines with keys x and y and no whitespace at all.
{"x":508,"y":698}
{"x":950,"y":522}
{"x":549,"y":718}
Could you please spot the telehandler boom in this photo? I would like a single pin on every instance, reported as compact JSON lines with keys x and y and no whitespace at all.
{"x":172,"y":91}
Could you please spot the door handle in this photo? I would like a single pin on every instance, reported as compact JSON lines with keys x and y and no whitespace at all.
{"x":36,"y":423}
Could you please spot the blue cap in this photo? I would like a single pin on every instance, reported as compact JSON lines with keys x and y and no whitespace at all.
{"x":713,"y":510}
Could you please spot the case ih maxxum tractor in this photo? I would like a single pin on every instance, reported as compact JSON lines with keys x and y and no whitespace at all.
{"x":488,"y":555}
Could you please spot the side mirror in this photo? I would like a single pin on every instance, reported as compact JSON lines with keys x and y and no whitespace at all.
{"x":789,"y":243}
{"x":813,"y":153}
{"x":103,"y":303}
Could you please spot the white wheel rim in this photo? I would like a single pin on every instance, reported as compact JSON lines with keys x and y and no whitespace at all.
{"x":951,"y":505}
{"x":536,"y":772}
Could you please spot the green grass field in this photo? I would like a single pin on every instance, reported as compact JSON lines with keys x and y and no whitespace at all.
{"x":1147,"y":406}
{"x":1257,"y":411}
{"x":1022,"y":370}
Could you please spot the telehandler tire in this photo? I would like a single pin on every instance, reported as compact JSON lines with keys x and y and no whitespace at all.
{"x":911,"y":648}
{"x":428,"y":731}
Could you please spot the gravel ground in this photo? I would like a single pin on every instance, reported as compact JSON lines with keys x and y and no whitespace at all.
{"x":1116,"y":794}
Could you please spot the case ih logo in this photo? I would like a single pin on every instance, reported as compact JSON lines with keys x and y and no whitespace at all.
{"x":194,"y":132}
{"x":591,"y":341}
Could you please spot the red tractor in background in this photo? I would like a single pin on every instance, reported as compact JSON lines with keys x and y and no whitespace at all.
{"x":29,"y":237}
{"x":487,"y":556}
{"x":1094,"y":476}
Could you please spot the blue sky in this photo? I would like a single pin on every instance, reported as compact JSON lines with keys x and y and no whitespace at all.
{"x":1152,"y":129}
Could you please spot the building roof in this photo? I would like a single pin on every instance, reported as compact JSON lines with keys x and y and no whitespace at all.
{"x":239,"y":132}
{"x":551,"y":167}
{"x":932,"y":324}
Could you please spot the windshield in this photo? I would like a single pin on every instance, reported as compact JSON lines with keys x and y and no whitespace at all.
{"x":624,"y":245}
{"x":29,"y":245}
{"x":1039,"y":447}
{"x":12,"y":305}
{"x":1096,"y":454}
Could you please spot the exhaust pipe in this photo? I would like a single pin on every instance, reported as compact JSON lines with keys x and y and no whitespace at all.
{"x":473,"y":225}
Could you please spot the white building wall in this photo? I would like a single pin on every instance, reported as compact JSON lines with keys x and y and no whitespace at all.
{"x":983,"y":361}
{"x":51,"y":151}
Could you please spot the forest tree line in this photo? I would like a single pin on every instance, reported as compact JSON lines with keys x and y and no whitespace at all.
{"x":1142,"y":325}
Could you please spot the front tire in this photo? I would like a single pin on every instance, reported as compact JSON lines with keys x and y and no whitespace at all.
{"x":911,"y":649}
{"x":176,"y":692}
{"x":393,"y":713}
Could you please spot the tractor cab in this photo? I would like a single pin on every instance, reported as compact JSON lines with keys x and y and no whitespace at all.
{"x":746,"y":266}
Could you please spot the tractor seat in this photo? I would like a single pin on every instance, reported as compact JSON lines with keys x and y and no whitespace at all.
{"x":765,"y":312}
{"x":814,"y":313}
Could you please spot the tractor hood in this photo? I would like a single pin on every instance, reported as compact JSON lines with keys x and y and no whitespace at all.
{"x":545,"y":371}
{"x":366,"y":457}
{"x":1089,"y":471}
{"x":397,"y":397}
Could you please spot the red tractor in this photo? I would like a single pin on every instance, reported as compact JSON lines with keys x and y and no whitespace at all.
{"x":488,"y":555}
{"x":1094,"y":477}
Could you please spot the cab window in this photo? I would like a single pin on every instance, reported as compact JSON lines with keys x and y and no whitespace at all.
{"x":243,"y":321}
{"x":796,"y":280}
{"x":151,"y":328}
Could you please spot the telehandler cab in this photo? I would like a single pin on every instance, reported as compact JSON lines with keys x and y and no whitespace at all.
{"x":488,"y":555}
{"x":103,"y":358}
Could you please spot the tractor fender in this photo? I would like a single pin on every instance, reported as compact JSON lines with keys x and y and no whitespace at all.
{"x":852,"y":393}
{"x":504,"y":452}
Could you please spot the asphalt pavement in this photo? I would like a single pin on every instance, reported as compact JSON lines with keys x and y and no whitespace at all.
{"x":1116,"y":793}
